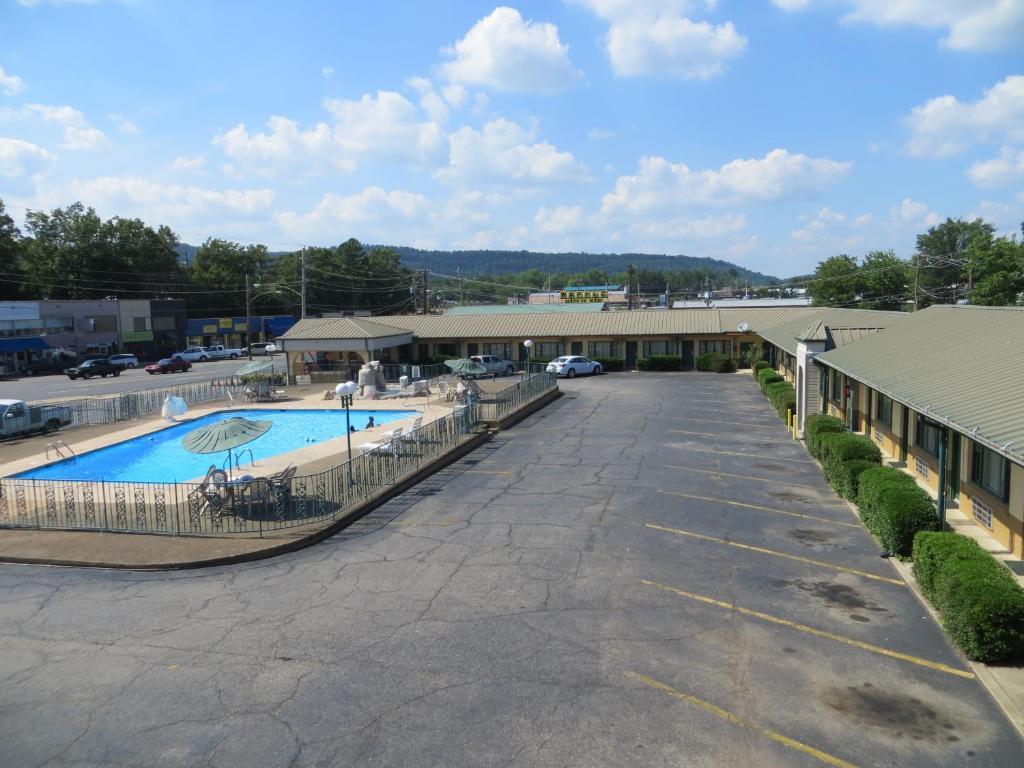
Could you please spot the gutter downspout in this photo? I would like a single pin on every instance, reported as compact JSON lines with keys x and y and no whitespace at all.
{"x":941,"y":505}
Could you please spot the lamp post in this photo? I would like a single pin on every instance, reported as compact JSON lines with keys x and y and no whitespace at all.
{"x":345,"y":392}
{"x":529,"y":345}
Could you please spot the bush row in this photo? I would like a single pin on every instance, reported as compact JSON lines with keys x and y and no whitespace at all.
{"x":836,"y":450}
{"x":610,"y":364}
{"x":715,"y":361}
{"x":660,"y":363}
{"x":894,"y":508}
{"x":817,"y":425}
{"x":767,"y":376}
{"x":782,"y":396}
{"x":980,"y":603}
{"x":759,"y":366}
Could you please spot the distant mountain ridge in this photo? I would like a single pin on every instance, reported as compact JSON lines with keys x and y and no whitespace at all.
{"x":485,"y":262}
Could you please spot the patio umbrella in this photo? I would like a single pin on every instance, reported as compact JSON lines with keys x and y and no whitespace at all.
{"x":225,"y":435}
{"x":465,"y":367}
{"x":256,"y":366}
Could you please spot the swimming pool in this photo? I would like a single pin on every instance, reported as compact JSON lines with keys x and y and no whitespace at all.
{"x":159,"y":457}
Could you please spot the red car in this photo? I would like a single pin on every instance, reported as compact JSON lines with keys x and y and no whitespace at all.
{"x":168,"y":365}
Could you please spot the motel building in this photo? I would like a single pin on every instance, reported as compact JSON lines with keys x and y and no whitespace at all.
{"x":941,"y":392}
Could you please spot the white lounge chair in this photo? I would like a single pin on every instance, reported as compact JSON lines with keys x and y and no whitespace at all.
{"x":386,"y":446}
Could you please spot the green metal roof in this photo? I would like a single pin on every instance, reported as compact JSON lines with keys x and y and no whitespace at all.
{"x":959,"y":365}
{"x":516,"y":309}
{"x":827,"y":321}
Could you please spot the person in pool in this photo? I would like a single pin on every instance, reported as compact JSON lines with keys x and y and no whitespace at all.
{"x":352,"y":428}
{"x":370,"y":424}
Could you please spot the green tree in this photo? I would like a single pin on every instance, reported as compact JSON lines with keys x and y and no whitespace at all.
{"x":836,"y":282}
{"x":997,"y":267}
{"x":10,"y":256}
{"x":220,"y":268}
{"x":941,"y":266}
{"x":884,"y":281}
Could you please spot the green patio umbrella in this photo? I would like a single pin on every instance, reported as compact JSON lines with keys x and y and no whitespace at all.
{"x":465,"y":367}
{"x":225,"y":435}
{"x":256,"y":366}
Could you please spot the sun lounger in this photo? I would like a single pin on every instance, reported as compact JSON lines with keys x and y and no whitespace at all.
{"x":386,"y":446}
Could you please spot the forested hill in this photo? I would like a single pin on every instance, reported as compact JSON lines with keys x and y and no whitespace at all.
{"x":504,"y":262}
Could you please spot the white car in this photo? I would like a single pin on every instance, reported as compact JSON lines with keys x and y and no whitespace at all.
{"x":572,"y":366}
{"x":193,"y":355}
{"x":124,"y":361}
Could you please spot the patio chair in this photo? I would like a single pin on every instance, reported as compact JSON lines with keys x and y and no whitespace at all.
{"x":213,"y":494}
{"x":386,"y":446}
{"x":272,"y":493}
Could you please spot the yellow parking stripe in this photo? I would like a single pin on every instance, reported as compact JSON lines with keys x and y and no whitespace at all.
{"x":765,"y":551}
{"x":813,"y":631}
{"x":751,"y":455}
{"x":771,"y":480}
{"x":758,"y":507}
{"x":728,"y":716}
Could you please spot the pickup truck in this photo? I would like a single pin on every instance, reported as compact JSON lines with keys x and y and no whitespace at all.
{"x":194,"y":355}
{"x":90,"y":368}
{"x":18,"y":418}
{"x":495,"y":365}
{"x":220,"y":352}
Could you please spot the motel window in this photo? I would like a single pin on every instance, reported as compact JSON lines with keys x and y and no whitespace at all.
{"x":446,"y":350}
{"x":661,"y":348}
{"x":836,"y":384}
{"x":546,"y":350}
{"x":576,"y":348}
{"x":503,"y":350}
{"x":991,"y":471}
{"x":472,"y":348}
{"x":604,"y":349}
{"x":883,"y":409}
{"x":927,"y":435}
{"x":722,"y":346}
{"x":101,"y":324}
{"x":424,"y":352}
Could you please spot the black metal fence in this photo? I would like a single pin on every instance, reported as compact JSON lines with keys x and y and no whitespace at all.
{"x":250,"y":506}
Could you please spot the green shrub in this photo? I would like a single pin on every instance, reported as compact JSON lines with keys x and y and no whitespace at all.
{"x":817,"y":425}
{"x":610,"y":364}
{"x":980,"y":603}
{"x":660,"y":363}
{"x":894,"y":508}
{"x":759,"y":366}
{"x":750,"y":356}
{"x":716,"y":362}
{"x":767,"y":376}
{"x":836,"y":447}
{"x":782,"y":396}
{"x":846,"y":476}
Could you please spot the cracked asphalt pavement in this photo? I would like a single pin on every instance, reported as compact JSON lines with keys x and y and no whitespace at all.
{"x":647,"y":572}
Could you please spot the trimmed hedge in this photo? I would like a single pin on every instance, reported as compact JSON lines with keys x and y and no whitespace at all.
{"x":758,"y":366}
{"x":660,"y":363}
{"x":782,"y":396}
{"x":767,"y":376}
{"x":837,"y":447}
{"x":980,"y":603}
{"x":894,"y":508}
{"x":817,"y":425}
{"x":610,"y":364}
{"x":846,"y":476}
{"x":715,"y":361}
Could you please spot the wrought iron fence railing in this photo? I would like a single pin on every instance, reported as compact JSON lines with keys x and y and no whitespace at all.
{"x":254,"y":505}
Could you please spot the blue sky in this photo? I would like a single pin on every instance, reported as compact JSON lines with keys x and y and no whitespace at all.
{"x":772,"y":133}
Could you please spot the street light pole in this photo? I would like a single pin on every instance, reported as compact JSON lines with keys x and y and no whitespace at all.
{"x":529,"y":345}
{"x":303,"y":314}
{"x":345,"y":393}
{"x":248,"y":313}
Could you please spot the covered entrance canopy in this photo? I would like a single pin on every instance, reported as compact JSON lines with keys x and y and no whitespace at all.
{"x":339,"y":336}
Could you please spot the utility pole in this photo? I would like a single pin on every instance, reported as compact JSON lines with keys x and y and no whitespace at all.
{"x":917,"y":278}
{"x":461,"y":300}
{"x":629,"y":287}
{"x":426,"y":308}
{"x":303,"y":257}
{"x":248,"y":341}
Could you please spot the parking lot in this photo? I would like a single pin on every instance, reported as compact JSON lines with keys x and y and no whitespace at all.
{"x":647,"y":572}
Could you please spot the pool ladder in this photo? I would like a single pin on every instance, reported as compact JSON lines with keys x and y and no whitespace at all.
{"x":58,"y":447}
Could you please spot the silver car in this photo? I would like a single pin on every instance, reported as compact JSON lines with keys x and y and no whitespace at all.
{"x":571,"y":366}
{"x":124,"y":361}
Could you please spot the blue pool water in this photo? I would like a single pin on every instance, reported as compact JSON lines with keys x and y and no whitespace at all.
{"x":160,"y":457}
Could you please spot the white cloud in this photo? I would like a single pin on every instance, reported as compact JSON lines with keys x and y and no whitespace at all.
{"x":912,"y":212}
{"x":383,"y":127}
{"x":374,"y":210}
{"x":503,"y":151}
{"x":62,"y":115}
{"x":432,"y":103}
{"x":10,"y":84}
{"x":973,"y":25}
{"x":22,"y":158}
{"x":185,"y":163}
{"x":1007,"y":168}
{"x":662,"y":185}
{"x":172,"y":203}
{"x":327,"y":71}
{"x":455,"y":94}
{"x":505,"y":52}
{"x":123,"y":124}
{"x":559,"y":220}
{"x":654,"y":37}
{"x":83,"y":139}
{"x":818,"y":224}
{"x":600,"y":134}
{"x":677,"y":227}
{"x":945,"y":125}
